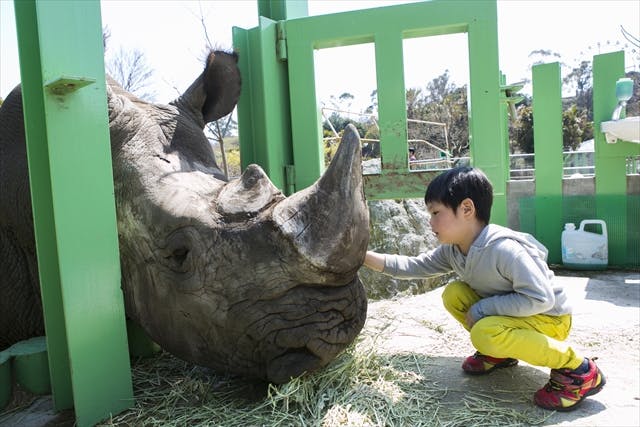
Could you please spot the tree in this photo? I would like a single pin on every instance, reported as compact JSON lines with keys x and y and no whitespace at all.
{"x":580,"y":79}
{"x":130,"y":69}
{"x":216,"y":132}
{"x":445,"y":103}
{"x":633,"y":105}
{"x":521,"y":131}
{"x":576,"y":128}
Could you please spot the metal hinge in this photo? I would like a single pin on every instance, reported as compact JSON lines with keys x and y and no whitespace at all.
{"x":281,"y":41}
{"x":289,"y":177}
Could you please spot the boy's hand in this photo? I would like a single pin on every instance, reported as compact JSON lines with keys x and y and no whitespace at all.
{"x":374,"y":261}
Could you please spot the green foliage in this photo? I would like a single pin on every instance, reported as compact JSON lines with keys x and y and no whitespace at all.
{"x":576,"y":127}
{"x":633,"y":105}
{"x":340,"y":122}
{"x":580,"y":78}
{"x":233,"y":162}
{"x":521,"y":132}
{"x":442,"y":102}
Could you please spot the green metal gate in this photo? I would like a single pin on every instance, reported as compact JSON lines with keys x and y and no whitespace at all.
{"x":278,"y":113}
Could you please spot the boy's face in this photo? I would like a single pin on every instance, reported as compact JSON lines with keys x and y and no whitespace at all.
{"x":448,"y":227}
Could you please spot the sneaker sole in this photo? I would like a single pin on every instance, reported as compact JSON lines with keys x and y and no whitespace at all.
{"x":506,"y":364}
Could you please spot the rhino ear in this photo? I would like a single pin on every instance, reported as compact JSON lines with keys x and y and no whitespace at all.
{"x":216,"y":91}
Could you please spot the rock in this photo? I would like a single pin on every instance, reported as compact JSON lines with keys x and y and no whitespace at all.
{"x":399,"y":227}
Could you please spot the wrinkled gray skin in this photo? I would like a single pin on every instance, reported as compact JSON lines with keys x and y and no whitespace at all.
{"x":233,"y":276}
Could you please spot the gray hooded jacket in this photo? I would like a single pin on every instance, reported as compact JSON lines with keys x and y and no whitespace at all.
{"x":506,"y":268}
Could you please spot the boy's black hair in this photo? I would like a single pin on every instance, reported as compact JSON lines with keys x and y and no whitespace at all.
{"x":453,"y":186}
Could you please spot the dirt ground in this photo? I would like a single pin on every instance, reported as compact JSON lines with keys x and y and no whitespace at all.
{"x":606,"y":325}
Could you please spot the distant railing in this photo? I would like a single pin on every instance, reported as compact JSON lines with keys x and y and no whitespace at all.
{"x":577,"y":164}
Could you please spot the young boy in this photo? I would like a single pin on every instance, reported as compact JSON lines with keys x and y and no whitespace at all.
{"x":506,"y":296}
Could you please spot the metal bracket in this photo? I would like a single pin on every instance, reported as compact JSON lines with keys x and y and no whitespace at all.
{"x":509,"y":94}
{"x":64,"y":85}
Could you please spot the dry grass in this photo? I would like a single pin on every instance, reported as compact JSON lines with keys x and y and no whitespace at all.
{"x":362,"y":387}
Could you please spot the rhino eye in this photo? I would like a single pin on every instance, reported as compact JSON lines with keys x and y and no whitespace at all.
{"x":179,"y":255}
{"x":177,"y":252}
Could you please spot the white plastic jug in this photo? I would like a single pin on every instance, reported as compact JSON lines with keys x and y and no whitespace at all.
{"x":584,"y":250}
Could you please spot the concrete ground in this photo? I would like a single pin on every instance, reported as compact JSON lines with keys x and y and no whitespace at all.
{"x":606,"y":325}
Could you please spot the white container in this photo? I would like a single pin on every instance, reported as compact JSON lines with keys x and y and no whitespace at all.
{"x":584,"y":250}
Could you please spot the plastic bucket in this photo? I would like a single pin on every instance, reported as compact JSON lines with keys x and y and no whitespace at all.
{"x":585,"y":250}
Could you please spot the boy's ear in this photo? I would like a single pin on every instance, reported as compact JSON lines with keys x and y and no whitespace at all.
{"x":468,"y":208}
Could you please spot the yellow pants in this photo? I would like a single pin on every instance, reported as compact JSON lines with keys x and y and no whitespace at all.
{"x":534,"y":339}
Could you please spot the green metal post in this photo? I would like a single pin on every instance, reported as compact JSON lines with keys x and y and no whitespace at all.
{"x":392,"y":104}
{"x":610,"y":160}
{"x":263,"y":108}
{"x":60,"y":47}
{"x":489,"y":151}
{"x":547,"y":131}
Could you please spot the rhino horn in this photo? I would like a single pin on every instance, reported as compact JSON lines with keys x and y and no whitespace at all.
{"x":328,"y":221}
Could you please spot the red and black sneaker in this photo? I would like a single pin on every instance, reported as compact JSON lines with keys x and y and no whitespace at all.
{"x":566,"y":388}
{"x":479,"y":364}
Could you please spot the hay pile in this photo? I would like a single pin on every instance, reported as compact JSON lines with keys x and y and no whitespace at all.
{"x":362,"y":387}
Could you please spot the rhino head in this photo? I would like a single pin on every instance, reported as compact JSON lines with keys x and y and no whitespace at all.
{"x":233,"y":275}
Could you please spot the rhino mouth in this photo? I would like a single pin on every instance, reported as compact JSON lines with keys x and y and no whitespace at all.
{"x":304,"y":330}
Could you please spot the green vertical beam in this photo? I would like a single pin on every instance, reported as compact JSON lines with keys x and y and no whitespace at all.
{"x":279,"y":10}
{"x":263,"y":108}
{"x":60,"y":47}
{"x":547,"y":132}
{"x":610,"y":159}
{"x":42,"y":203}
{"x":392,"y":104}
{"x":489,"y":151}
{"x":306,"y":130}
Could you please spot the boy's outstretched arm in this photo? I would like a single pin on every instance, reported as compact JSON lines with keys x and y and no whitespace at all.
{"x":374,"y":261}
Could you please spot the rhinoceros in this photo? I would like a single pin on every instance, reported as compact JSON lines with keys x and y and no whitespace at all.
{"x":230,"y":275}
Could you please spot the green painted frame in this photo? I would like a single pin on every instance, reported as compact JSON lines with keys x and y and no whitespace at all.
{"x":386,"y":27}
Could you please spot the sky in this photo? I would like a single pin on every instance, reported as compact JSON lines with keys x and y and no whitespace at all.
{"x":171,"y":35}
